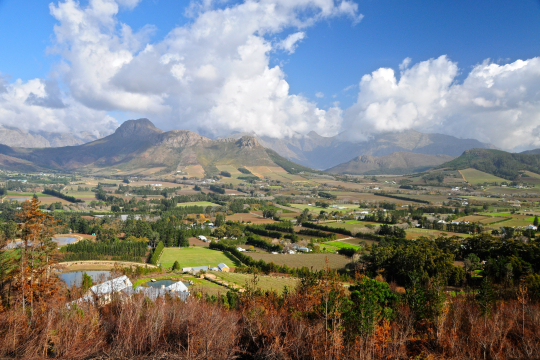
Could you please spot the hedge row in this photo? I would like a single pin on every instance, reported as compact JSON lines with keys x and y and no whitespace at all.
{"x":317,"y":233}
{"x":399,"y":197}
{"x":342,"y":231}
{"x":157,"y":253}
{"x":263,"y":232}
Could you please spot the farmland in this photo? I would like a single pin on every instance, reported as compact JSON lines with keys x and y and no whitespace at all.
{"x":474,"y":176}
{"x":194,"y":256}
{"x":198,"y":203}
{"x":317,"y":261}
{"x":264,"y":282}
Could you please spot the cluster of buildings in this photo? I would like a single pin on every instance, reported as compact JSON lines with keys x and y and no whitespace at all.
{"x":122,"y":288}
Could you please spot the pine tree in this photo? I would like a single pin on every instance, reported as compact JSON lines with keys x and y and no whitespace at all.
{"x":535,"y":223}
{"x":176,"y":266}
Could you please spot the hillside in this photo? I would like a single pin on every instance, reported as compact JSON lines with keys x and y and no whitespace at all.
{"x":401,"y":162}
{"x":320,"y":152}
{"x":137,"y":146}
{"x":531,"y":152}
{"x":495,"y":162}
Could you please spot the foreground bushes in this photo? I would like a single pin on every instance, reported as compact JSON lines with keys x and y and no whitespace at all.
{"x":312,"y":322}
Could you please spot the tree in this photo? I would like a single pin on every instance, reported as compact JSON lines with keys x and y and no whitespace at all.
{"x":35,"y":282}
{"x":535,"y":222}
{"x":86,"y":282}
{"x":176,"y":266}
{"x":370,"y":301}
{"x":220,"y":219}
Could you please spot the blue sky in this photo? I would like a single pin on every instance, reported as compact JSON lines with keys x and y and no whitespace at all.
{"x":334,"y":53}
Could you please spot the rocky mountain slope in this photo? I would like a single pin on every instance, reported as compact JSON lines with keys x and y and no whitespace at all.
{"x":15,"y":137}
{"x":321,"y":152}
{"x":401,"y":162}
{"x":138,"y":144}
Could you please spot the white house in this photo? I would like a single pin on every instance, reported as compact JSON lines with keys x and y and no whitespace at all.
{"x":202,"y":238}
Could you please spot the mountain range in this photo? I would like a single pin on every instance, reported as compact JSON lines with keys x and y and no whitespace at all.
{"x":397,"y":163}
{"x":14,"y":137}
{"x":321,"y":152}
{"x":138,"y":145}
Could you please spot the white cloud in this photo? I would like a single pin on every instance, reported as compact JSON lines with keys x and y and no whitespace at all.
{"x":319,"y":95}
{"x":499,"y":104}
{"x":211,"y":75}
{"x":290,"y":43}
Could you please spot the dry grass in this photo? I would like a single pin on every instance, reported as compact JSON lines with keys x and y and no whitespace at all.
{"x":315,"y":261}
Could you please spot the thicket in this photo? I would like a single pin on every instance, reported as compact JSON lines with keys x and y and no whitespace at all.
{"x":217,"y":189}
{"x":115,"y":250}
{"x":251,"y":240}
{"x":60,"y":195}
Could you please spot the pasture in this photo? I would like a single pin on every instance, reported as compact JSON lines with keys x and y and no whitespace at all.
{"x":245,"y":217}
{"x":473,"y":176}
{"x":317,"y":261}
{"x":265,"y":282}
{"x":194,"y":256}
{"x":341,"y":245}
{"x":197,"y":203}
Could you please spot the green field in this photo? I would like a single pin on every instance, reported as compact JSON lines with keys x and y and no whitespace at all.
{"x":198,"y":203}
{"x":342,"y":245}
{"x":194,"y":256}
{"x":27,"y":194}
{"x":474,"y":176}
{"x":264,"y":282}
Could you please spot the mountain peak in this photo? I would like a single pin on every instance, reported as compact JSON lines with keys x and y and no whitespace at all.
{"x":247,"y":141}
{"x":137,"y":128}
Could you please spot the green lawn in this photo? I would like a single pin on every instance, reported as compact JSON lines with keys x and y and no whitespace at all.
{"x":198,"y":203}
{"x":193,"y":256}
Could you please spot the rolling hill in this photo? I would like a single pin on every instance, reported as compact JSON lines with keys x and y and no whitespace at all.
{"x":397,"y":163}
{"x":495,"y":162}
{"x":138,"y":146}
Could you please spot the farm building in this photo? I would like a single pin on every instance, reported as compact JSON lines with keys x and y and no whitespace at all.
{"x":223,"y":267}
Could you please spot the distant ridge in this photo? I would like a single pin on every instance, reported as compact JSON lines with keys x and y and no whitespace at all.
{"x":531,"y":152}
{"x":397,"y":163}
{"x":496,"y":162}
{"x":14,"y":137}
{"x":320,"y":152}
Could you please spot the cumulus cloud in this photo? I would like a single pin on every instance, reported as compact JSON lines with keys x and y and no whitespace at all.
{"x":499,"y":104}
{"x":319,"y":94}
{"x":211,"y":75}
{"x":38,"y":105}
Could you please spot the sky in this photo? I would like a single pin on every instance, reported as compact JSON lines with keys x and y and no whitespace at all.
{"x":278,"y":68}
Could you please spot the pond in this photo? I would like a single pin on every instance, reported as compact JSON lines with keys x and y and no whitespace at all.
{"x":21,"y":199}
{"x":64,"y":240}
{"x":75,"y":277}
{"x":61,"y":241}
{"x":157,"y":284}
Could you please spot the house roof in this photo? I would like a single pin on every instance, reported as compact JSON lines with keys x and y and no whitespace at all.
{"x":110,"y":286}
{"x":222,"y":266}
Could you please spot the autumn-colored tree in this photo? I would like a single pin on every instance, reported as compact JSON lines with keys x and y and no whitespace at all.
{"x":35,"y":281}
